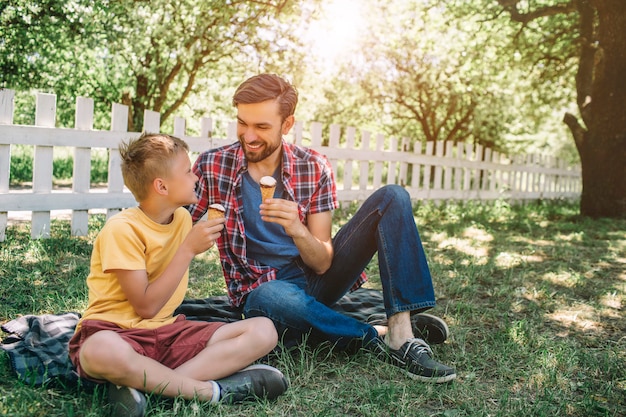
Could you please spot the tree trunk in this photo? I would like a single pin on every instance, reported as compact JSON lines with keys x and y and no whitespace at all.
{"x":602,"y":145}
{"x":604,"y":175}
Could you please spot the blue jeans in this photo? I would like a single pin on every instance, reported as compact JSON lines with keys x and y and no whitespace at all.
{"x":299,"y":301}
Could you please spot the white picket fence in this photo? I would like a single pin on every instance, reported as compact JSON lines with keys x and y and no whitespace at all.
{"x":462,"y":172}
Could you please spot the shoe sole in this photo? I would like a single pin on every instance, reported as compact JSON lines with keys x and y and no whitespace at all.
{"x":432,"y":380}
{"x":261,"y":366}
{"x":432,"y":328}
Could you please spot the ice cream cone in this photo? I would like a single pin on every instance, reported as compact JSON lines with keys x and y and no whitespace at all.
{"x":216,"y":211}
{"x":268,"y":185}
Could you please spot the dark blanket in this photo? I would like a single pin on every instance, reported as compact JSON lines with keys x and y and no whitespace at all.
{"x":361,"y":304}
{"x":37,"y":345}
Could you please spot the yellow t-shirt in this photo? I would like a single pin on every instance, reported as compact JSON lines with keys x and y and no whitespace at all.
{"x":131,"y":240}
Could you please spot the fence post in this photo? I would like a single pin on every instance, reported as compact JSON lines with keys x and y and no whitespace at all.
{"x":316,"y":134}
{"x":392,"y":166}
{"x":180,"y":127}
{"x":438,"y":180}
{"x":416,"y":172}
{"x":404,"y":166}
{"x":231,"y":132}
{"x":364,"y":166}
{"x":378,"y":165}
{"x":430,"y":148}
{"x":297,"y":133}
{"x":467,"y":172}
{"x":478,"y":172}
{"x":487,"y":173}
{"x":347,"y":164}
{"x":333,"y":143}
{"x":45,"y":116}
{"x":448,"y":172}
{"x":151,"y":121}
{"x":81,"y":176}
{"x":7,"y":100}
{"x":119,"y":123}
{"x":458,"y":170}
{"x":206,"y":127}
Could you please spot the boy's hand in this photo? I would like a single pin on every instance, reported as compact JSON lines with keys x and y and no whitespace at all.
{"x":203,"y":235}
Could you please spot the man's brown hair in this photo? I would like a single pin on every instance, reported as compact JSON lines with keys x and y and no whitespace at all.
{"x":263,"y":87}
{"x":148,"y":157}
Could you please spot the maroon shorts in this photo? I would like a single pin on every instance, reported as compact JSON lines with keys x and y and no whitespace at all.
{"x":171,"y":344}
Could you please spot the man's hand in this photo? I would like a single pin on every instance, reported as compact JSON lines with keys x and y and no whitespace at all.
{"x":286,"y":213}
{"x":313,"y":240}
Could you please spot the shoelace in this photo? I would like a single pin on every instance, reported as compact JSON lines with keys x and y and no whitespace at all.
{"x":419,"y":345}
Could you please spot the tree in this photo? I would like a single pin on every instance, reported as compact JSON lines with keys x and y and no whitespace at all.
{"x":598,"y":28}
{"x":424,"y":73}
{"x":151,"y":55}
{"x":53,"y":46}
{"x":177,"y":42}
{"x":422,"y":87}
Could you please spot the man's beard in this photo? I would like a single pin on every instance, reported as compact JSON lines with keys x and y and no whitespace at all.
{"x":263,"y":153}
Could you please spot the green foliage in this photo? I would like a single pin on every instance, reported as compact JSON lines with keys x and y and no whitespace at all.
{"x":62,"y":167}
{"x":533,"y":295}
{"x":451,"y":70}
{"x":99,"y":167}
{"x":145,"y":55}
{"x":21,"y":169}
{"x":56,"y":46}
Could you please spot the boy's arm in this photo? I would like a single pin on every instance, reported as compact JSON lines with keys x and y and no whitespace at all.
{"x":148,"y":298}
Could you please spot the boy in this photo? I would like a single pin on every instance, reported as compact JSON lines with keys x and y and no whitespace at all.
{"x":128,"y":336}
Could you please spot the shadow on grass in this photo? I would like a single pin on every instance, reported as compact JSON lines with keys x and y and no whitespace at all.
{"x":535,"y":298}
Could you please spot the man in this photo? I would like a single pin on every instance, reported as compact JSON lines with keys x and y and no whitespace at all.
{"x":278,"y":257}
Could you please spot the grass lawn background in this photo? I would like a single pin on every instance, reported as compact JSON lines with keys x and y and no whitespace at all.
{"x":534,"y":296}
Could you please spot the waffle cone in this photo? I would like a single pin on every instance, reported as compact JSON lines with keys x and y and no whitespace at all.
{"x":216,"y":211}
{"x":267,"y":192}
{"x":215,"y":214}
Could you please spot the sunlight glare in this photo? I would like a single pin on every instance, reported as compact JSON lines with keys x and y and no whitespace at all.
{"x":336,"y":34}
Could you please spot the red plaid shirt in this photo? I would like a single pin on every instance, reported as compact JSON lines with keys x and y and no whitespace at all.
{"x":307,"y":178}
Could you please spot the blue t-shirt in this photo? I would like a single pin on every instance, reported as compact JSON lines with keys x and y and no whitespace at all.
{"x":267,"y":242}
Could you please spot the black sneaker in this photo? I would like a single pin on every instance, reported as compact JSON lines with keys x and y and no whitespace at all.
{"x":430,"y":328}
{"x":252,"y":383}
{"x":126,"y":401}
{"x":415,"y":358}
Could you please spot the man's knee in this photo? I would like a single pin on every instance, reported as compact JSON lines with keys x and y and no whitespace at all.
{"x":398,"y":192}
{"x":393,"y":195}
{"x":268,"y":293}
{"x":277,"y":297}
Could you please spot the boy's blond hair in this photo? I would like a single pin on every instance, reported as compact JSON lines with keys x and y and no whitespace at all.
{"x":148,"y":157}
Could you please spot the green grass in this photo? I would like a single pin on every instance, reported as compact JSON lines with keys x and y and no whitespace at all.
{"x":534,"y":296}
